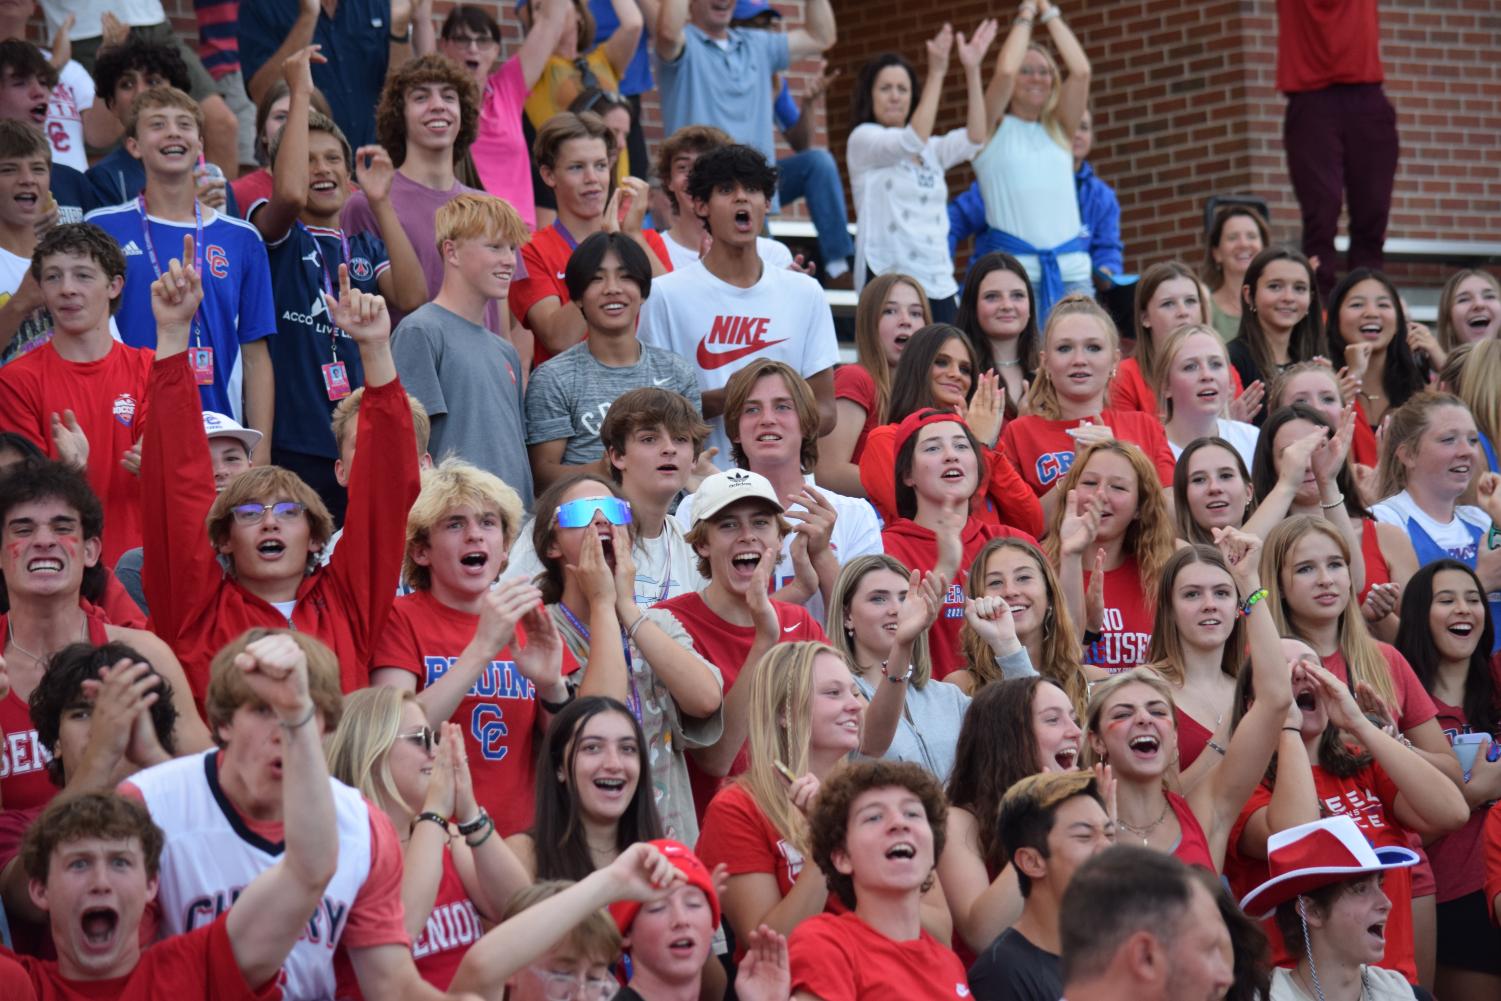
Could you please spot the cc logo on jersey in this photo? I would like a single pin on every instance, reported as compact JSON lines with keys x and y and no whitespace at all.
{"x":216,"y":260}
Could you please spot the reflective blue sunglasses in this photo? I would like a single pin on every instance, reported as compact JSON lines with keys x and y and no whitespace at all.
{"x":579,"y":513}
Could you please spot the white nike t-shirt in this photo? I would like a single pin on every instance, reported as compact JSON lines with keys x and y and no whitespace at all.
{"x":773,"y":252}
{"x":719,"y":327}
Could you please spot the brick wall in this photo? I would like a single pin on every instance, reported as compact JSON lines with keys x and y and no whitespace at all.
{"x":1185,"y":104}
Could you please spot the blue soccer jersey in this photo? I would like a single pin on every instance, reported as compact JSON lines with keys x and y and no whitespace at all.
{"x":304,"y":264}
{"x":237,"y":305}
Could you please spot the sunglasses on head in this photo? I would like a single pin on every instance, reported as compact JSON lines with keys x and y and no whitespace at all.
{"x":579,"y":513}
{"x":249,"y":514}
{"x":424,"y":737}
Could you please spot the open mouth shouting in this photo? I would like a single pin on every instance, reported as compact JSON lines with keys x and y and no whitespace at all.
{"x":270,"y":549}
{"x":745,"y":562}
{"x":1067,"y":756}
{"x":611,"y":787}
{"x":743,"y":221}
{"x":904,"y":851}
{"x":1371,"y":330}
{"x":1145,"y":745}
{"x":475,"y":559}
{"x":38,"y":113}
{"x":99,"y":925}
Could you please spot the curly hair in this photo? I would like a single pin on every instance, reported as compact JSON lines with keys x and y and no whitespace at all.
{"x":732,"y":164}
{"x":137,"y":54}
{"x":105,"y":815}
{"x":831,"y":813}
{"x":61,"y":690}
{"x":390,"y":113}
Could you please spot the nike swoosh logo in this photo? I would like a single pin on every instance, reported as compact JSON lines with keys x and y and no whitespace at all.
{"x":718,"y":359}
{"x":661,"y":382}
{"x":790,"y":629}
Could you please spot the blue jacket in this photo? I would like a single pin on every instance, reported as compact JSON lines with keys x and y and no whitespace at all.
{"x":1098,"y":210}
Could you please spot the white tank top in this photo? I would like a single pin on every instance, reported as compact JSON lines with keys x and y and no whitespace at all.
{"x":211,"y":855}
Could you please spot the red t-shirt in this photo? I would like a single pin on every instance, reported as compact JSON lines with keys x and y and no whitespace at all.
{"x":1006,"y":500}
{"x":1363,"y":447}
{"x":251,"y":188}
{"x":854,"y":383}
{"x":1367,"y":797}
{"x":736,"y":833}
{"x":917,"y":548}
{"x":546,"y":258}
{"x":1458,"y":862}
{"x":1376,"y":570}
{"x":108,"y":396}
{"x":725,"y":645}
{"x":196,"y":964}
{"x":1414,"y":706}
{"x":1324,"y":42}
{"x":838,"y":957}
{"x":452,"y":927}
{"x":1129,"y":617}
{"x":499,"y":715}
{"x":1042,"y":450}
{"x":1490,"y":842}
{"x":1129,"y":389}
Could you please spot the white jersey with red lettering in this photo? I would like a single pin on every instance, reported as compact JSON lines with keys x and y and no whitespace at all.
{"x":211,"y":855}
{"x":721,"y":327}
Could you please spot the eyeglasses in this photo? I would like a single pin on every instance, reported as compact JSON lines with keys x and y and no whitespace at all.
{"x":249,"y":514}
{"x":471,"y":41}
{"x":575,"y":986}
{"x":424,"y":737}
{"x":579,"y":513}
{"x":596,"y":97}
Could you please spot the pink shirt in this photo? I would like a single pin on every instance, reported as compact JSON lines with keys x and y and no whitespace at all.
{"x":499,"y":150}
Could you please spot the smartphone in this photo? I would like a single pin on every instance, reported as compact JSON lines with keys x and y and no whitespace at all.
{"x":1467,"y":747}
{"x":786,"y":773}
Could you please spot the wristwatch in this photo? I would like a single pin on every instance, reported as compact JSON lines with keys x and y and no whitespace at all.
{"x":897,"y":679}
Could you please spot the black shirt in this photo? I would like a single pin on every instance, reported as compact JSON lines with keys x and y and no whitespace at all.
{"x":1013,"y":969}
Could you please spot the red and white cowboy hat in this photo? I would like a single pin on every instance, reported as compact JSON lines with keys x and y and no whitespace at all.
{"x":1309,"y":856}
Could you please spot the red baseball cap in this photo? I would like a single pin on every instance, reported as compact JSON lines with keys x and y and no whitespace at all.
{"x":624,"y":911}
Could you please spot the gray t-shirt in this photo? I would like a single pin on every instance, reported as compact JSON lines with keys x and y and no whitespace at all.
{"x":470,"y":382}
{"x":570,"y":393}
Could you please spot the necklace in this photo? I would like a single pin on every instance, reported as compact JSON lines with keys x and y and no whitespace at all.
{"x":10,"y":638}
{"x":1145,"y":833}
{"x":1316,"y":989}
{"x":1009,"y":364}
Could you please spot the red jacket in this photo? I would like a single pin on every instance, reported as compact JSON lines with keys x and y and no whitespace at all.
{"x":197,"y":609}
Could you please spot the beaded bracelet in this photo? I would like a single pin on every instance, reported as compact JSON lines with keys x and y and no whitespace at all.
{"x":1251,"y":601}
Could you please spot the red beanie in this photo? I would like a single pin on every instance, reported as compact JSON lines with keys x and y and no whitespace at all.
{"x":624,"y":911}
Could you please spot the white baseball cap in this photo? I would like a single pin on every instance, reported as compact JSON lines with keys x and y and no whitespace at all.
{"x":216,"y":425}
{"x":719,"y":491}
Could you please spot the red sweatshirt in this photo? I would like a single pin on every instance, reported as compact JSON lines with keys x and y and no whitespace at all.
{"x":197,"y":609}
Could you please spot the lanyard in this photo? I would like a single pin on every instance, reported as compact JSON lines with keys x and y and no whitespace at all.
{"x":632,"y":696}
{"x":567,"y":236}
{"x":327,"y":274}
{"x":156,"y":266}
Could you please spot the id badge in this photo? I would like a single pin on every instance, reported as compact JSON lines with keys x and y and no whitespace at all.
{"x":336,"y":380}
{"x":202,"y":362}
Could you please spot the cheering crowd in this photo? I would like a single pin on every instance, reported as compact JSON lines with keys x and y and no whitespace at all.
{"x":354,"y":376}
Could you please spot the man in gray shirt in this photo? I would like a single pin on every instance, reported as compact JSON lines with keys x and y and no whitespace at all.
{"x":609,"y":276}
{"x":468,"y":378}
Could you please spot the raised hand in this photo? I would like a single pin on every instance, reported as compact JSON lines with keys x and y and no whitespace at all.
{"x":939,"y":47}
{"x":758,"y":597}
{"x":803,"y":791}
{"x":972,"y":50}
{"x":440,"y":784}
{"x":297,"y":69}
{"x":1420,"y":338}
{"x":625,"y":570}
{"x":1081,"y":523}
{"x":113,"y":31}
{"x":823,"y":78}
{"x":1247,"y":405}
{"x":1376,"y":708}
{"x":465,"y":806}
{"x":642,"y":872}
{"x":919,"y":610}
{"x":1089,"y":434}
{"x":1242,"y":552}
{"x":990,"y":617}
{"x":1380,"y":601}
{"x":374,"y":172}
{"x":764,"y":974}
{"x":626,"y":210}
{"x":1104,"y":777}
{"x":1329,"y":455}
{"x":275,"y":669}
{"x":69,"y":441}
{"x":540,"y":659}
{"x":800,"y":264}
{"x":361,"y":315}
{"x":210,"y":188}
{"x":62,"y":45}
{"x":816,"y":522}
{"x":175,"y":298}
{"x":987,"y":409}
{"x":703,"y":468}
{"x":1094,"y":595}
{"x":501,"y":608}
{"x":1296,"y":459}
{"x":124,"y":692}
{"x":593,"y":571}
{"x":1488,"y":490}
{"x":1338,"y":701}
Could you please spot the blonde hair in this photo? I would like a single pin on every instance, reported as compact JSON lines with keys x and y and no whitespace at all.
{"x":1104,"y":691}
{"x":1061,"y":652}
{"x":1479,"y":385}
{"x":358,"y":752}
{"x":228,"y":692}
{"x":1278,"y":388}
{"x":596,"y":937}
{"x":869,"y":354}
{"x":454,"y":484}
{"x":842,"y":639}
{"x":1150,"y":538}
{"x":1448,"y":337}
{"x":779,"y":730}
{"x":344,"y":423}
{"x":1171,"y":344}
{"x":1363,"y":657}
{"x":1042,"y":397}
{"x":475,"y":217}
{"x":163,"y":96}
{"x":1049,"y":115}
{"x":1406,"y":425}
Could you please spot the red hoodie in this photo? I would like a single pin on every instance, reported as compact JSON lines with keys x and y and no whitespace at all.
{"x":197,"y":609}
{"x":918,"y":549}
